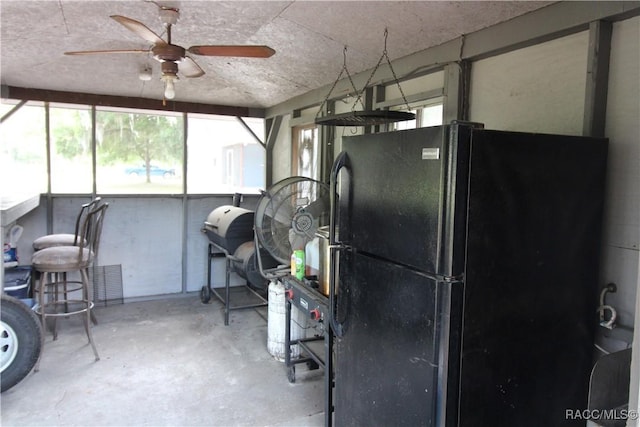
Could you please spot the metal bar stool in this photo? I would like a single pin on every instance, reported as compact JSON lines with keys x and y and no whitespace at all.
{"x":55,"y":263}
{"x":66,"y":239}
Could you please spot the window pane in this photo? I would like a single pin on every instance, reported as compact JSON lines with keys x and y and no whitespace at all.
{"x":139,"y":153}
{"x":223,"y":156}
{"x":306,"y":153}
{"x":431,"y":116}
{"x":23,"y":152}
{"x":406,"y":124}
{"x":426,"y":115}
{"x":71,"y":159}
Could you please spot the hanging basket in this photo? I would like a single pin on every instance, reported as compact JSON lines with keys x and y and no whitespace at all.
{"x":366,"y":117}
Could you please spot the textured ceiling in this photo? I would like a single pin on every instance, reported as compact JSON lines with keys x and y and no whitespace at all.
{"x":308,"y":37}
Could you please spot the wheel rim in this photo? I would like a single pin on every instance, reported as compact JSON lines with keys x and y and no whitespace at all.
{"x":8,"y":345}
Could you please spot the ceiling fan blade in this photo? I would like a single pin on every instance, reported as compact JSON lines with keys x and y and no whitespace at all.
{"x":139,"y":28}
{"x":231,"y":50}
{"x":94,"y":52}
{"x":190,"y":68}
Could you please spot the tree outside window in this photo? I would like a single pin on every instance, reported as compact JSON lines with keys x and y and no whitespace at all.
{"x":23,"y":149}
{"x":139,"y":153}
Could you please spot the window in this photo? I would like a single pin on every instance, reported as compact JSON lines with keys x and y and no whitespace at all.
{"x":229,"y":167}
{"x":306,"y":152}
{"x":71,"y":149}
{"x":426,"y":115}
{"x":23,"y":149}
{"x":224,"y":156}
{"x":138,"y":152}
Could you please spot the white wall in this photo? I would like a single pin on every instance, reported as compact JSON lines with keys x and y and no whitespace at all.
{"x":143,"y":235}
{"x":535,"y":89}
{"x":622,"y":215}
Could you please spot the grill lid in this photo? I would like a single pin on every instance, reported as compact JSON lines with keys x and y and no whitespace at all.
{"x":229,"y":226}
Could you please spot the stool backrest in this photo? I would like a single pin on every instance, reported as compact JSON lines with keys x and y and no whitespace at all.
{"x":84,"y":209}
{"x":91,"y":230}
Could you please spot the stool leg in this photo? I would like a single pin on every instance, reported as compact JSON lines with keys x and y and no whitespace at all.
{"x":43,"y":317}
{"x":61,"y":279}
{"x":55,"y":297}
{"x":87,"y":326}
{"x":43,"y":297}
{"x":94,"y":320}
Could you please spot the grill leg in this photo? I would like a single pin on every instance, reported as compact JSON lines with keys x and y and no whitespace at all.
{"x":226,"y":292}
{"x":210,"y":255}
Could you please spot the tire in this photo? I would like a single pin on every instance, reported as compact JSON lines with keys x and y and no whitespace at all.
{"x":167,"y":175}
{"x":20,"y":341}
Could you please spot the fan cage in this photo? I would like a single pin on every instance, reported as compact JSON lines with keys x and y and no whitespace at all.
{"x":294,"y":206}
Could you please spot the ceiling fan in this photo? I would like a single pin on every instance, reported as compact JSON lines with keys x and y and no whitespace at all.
{"x":173,"y":57}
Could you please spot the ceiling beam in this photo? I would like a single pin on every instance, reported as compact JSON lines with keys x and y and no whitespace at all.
{"x":44,"y":95}
{"x":13,"y":110}
{"x":595,"y":102}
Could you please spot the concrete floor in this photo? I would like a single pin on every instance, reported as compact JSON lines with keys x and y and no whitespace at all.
{"x":168,"y":362}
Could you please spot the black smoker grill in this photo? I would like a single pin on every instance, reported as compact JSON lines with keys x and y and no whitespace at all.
{"x":230,"y":233}
{"x":229,"y":226}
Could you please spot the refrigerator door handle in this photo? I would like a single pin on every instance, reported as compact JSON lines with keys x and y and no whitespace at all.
{"x":342,"y":161}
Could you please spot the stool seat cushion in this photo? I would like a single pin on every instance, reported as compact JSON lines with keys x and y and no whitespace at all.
{"x":52,"y":240}
{"x":61,"y":258}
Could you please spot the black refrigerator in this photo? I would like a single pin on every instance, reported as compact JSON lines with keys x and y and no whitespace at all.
{"x":464,"y":284}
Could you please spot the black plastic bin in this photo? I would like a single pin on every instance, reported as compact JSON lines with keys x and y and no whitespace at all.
{"x":17,"y":281}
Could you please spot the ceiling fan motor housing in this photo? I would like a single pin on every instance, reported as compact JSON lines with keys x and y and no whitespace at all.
{"x":168,"y":52}
{"x":169,"y":68}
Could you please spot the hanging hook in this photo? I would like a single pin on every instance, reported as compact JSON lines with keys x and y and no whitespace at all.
{"x":386,"y":33}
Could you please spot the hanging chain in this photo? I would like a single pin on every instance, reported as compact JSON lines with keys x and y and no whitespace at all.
{"x":366,"y":85}
{"x":404,"y":98}
{"x":344,"y":70}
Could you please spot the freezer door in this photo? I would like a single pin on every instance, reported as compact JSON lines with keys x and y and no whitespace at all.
{"x":395,"y":195}
{"x":535,"y":212}
{"x":386,"y":360}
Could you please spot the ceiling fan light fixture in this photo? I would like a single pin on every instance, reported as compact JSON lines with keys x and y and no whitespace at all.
{"x":169,"y":85}
{"x":169,"y":77}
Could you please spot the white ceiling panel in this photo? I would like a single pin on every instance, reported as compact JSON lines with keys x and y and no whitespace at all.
{"x":308,"y":37}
